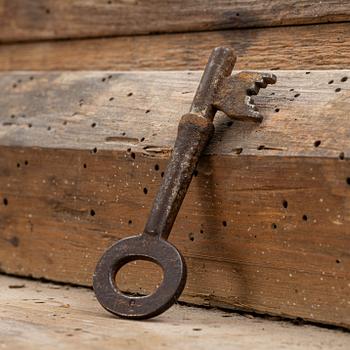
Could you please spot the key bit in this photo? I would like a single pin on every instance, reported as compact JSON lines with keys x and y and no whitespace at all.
{"x":218,"y":90}
{"x":234,"y":97}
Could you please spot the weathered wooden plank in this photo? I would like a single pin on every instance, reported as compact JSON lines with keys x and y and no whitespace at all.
{"x":52,"y":19}
{"x":264,"y":48}
{"x":265,"y":225}
{"x":36,"y":315}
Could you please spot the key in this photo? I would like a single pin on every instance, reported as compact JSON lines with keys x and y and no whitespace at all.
{"x":218,"y":90}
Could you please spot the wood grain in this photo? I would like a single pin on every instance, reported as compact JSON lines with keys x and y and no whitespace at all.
{"x":53,"y":19}
{"x":46,"y":315}
{"x":264,"y":227}
{"x":299,"y":47}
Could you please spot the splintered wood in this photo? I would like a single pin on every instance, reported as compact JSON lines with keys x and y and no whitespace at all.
{"x":52,"y":19}
{"x":264,"y":227}
{"x":256,"y":48}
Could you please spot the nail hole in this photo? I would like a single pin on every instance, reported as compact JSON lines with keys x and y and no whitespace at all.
{"x":238,"y":150}
{"x":344,"y":79}
{"x":162,"y":174}
{"x":5,"y":201}
{"x":191,"y":236}
{"x":93,"y":125}
{"x":274,"y":226}
{"x":259,"y":148}
{"x":305,"y":217}
{"x":18,"y":165}
{"x":85,"y":166}
{"x":103,"y":79}
{"x":111,"y":98}
{"x":317,"y":143}
{"x":132,"y":154}
{"x":201,"y":231}
{"x":49,"y":128}
{"x":337,"y":261}
{"x":331,"y":82}
{"x":130,"y":222}
{"x":142,"y":139}
{"x":224,"y":223}
{"x":337,"y":90}
{"x":285,"y":204}
{"x":92,"y":212}
{"x":277,"y":110}
{"x":94,"y":150}
{"x":341,"y":155}
{"x":230,"y":123}
{"x":291,"y":89}
{"x":296,"y":95}
{"x":307,"y":72}
{"x":348,"y":180}
{"x":156,"y":167}
{"x":30,"y":125}
{"x":26,"y":162}
{"x":14,"y":241}
{"x":129,"y":94}
{"x":147,"y":111}
{"x":145,"y":190}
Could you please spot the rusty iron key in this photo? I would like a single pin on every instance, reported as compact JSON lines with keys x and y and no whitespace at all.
{"x":218,"y":90}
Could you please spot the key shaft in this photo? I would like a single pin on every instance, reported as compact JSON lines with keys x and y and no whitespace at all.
{"x":218,"y":90}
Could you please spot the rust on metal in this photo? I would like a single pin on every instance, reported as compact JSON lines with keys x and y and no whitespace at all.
{"x":218,"y":90}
